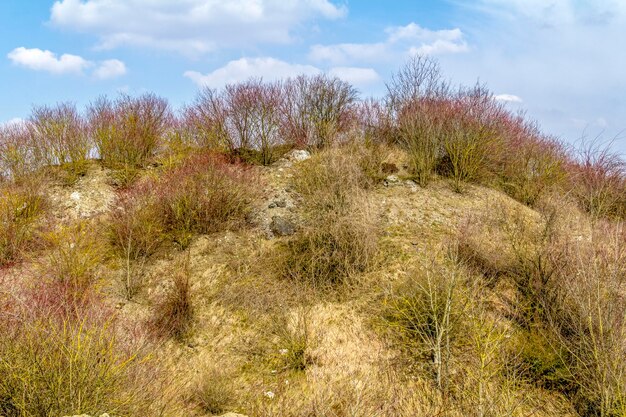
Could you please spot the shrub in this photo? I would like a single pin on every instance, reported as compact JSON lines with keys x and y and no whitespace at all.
{"x":469,"y":136}
{"x":17,"y":155}
{"x":56,"y":366}
{"x":135,"y":232}
{"x":420,"y":77}
{"x":60,"y":138}
{"x":207,"y":119}
{"x":204,"y":195}
{"x":599,"y":178}
{"x":331,"y":251}
{"x":425,"y":315}
{"x":529,"y":164}
{"x":174,"y":314}
{"x":419,"y":132}
{"x":317,"y":110}
{"x":254,"y":116}
{"x":71,"y":264}
{"x":587,"y":317}
{"x":21,"y":221}
{"x":128,"y":132}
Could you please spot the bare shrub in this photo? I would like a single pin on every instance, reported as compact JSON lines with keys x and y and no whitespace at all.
{"x":589,"y":321}
{"x":600,"y":180}
{"x":128,"y":131}
{"x":70,"y":267}
{"x":374,"y":122}
{"x":339,"y":239}
{"x":135,"y":232}
{"x":60,"y":138}
{"x":420,"y":77}
{"x":420,"y":130}
{"x":531,"y":164}
{"x":18,"y":159}
{"x":207,"y":119}
{"x":424,"y":314}
{"x":317,"y":110}
{"x":470,"y":136}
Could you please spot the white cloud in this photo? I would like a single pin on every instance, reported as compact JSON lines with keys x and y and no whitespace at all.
{"x":274,"y":69}
{"x":190,"y":26}
{"x":244,"y":68}
{"x":356,"y":76}
{"x":47,"y":61}
{"x":508,"y":98}
{"x":415,"y":33}
{"x":111,"y":68}
{"x":400,"y":40}
{"x":346,"y":52}
{"x":39,"y":60}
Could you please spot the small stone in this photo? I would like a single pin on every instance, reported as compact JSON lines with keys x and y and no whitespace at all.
{"x":391,"y":180}
{"x":272,"y":205}
{"x":281,"y":226}
{"x":75,"y":196}
{"x":281,"y":203}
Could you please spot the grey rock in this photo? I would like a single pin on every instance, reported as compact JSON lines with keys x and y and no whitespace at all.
{"x":281,"y":226}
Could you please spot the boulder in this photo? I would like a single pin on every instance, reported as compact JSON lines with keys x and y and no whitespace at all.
{"x":282,"y":226}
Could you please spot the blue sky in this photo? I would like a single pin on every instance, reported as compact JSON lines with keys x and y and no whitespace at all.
{"x":561,"y":60}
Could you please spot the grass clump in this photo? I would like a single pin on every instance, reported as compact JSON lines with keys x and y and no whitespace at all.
{"x":339,"y":239}
{"x":22,"y":210}
{"x":173,"y":315}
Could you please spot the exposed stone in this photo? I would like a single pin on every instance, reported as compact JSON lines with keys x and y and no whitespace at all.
{"x":391,"y":180}
{"x":281,"y":226}
{"x":232,"y":415}
{"x":298,"y":155}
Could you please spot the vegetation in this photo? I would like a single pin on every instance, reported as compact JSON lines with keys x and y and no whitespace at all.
{"x":444,"y":257}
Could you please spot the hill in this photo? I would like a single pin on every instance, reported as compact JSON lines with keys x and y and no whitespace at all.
{"x":438,"y":256}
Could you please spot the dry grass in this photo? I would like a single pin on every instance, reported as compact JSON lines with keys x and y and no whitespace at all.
{"x":53,"y":365}
{"x":173,"y":315}
{"x":340,"y":237}
{"x":22,"y":220}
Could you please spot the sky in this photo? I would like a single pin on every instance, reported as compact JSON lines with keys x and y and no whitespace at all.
{"x":561,"y":61}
